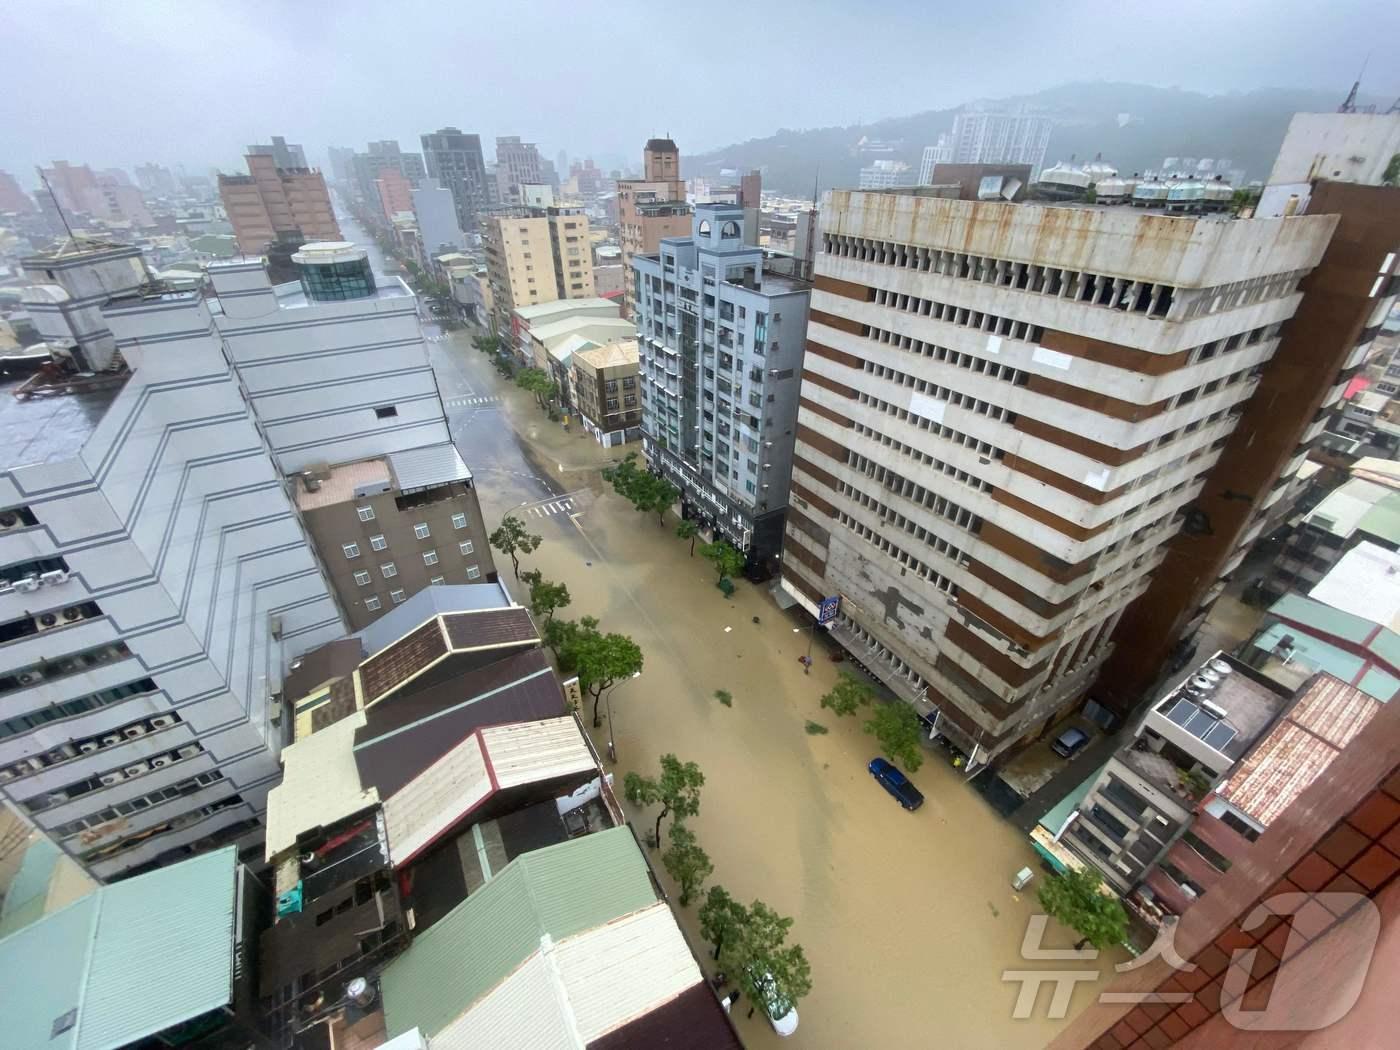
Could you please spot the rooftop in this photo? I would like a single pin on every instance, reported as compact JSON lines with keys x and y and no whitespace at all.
{"x":590,"y":327}
{"x":125,"y":962}
{"x":614,"y":355}
{"x":1249,"y":706}
{"x":320,"y":785}
{"x":45,"y":421}
{"x":1365,"y":583}
{"x":1325,"y":719}
{"x":1346,"y":507}
{"x":427,"y":603}
{"x":340,"y":483}
{"x":563,"y":307}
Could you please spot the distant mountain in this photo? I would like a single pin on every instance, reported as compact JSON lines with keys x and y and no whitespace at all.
{"x":1132,"y":125}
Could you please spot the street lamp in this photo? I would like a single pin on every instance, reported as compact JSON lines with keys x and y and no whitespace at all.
{"x":612,"y":748}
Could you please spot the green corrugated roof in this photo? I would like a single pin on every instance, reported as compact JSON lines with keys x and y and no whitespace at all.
{"x":1056,"y":816}
{"x":1313,"y":652}
{"x":560,"y":890}
{"x":29,"y":887}
{"x":133,"y":958}
{"x":1311,"y":613}
{"x":1383,"y":520}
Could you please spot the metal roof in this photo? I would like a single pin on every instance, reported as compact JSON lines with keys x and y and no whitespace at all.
{"x":1326,"y":718}
{"x":559,"y":891}
{"x":1366,"y":583}
{"x":421,"y":468}
{"x":443,"y":598}
{"x":130,"y":959}
{"x":488,"y":761}
{"x":320,"y":785}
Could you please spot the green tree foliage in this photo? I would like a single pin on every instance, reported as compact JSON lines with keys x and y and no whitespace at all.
{"x":1076,"y":899}
{"x":677,"y":789}
{"x":773,"y":973}
{"x":487,"y":344}
{"x":511,"y":538}
{"x":848,"y":695}
{"x":727,"y":560}
{"x":561,"y":636}
{"x":647,"y":492}
{"x":600,"y":660}
{"x":725,"y":697}
{"x":538,"y":382}
{"x":546,"y":597}
{"x":898,"y":729}
{"x":720,"y":917}
{"x":688,"y":530}
{"x":686,"y":862}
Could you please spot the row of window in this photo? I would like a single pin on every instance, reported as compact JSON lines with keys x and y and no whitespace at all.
{"x":421,"y":529}
{"x":882,"y":543}
{"x":979,"y":365}
{"x":176,"y":823}
{"x":902,"y":486}
{"x":125,"y":809}
{"x":136,"y":768}
{"x":69,"y":708}
{"x":373,"y":603}
{"x":925,"y":459}
{"x":942,"y":393}
{"x":389,"y":570}
{"x":379,"y":543}
{"x":935,"y":542}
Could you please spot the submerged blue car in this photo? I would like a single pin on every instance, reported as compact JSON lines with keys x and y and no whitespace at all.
{"x":896,"y":783}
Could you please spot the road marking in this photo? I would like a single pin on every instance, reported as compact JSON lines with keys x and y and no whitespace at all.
{"x":557,"y":506}
{"x":466,"y":402}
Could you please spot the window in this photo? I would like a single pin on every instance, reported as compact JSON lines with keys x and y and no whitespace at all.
{"x":1231,"y":821}
{"x":466,"y":547}
{"x":459,"y":521}
{"x":397,"y":596}
{"x":378,"y":543}
{"x":389,"y":569}
{"x":421,"y":530}
{"x":352,"y":550}
{"x":365,"y":513}
{"x":473,"y":572}
{"x":430,"y":558}
{"x":362,"y":577}
{"x":436,"y":580}
{"x":371,"y":603}
{"x":386,"y":411}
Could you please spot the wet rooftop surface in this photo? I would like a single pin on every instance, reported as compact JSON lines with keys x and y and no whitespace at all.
{"x":53,"y":425}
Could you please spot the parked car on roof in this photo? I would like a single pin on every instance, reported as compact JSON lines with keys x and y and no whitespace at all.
{"x":896,"y":783}
{"x":1068,"y":743}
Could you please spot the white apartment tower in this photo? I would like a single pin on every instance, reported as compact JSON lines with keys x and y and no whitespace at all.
{"x":1007,"y":412}
{"x":1001,"y":138}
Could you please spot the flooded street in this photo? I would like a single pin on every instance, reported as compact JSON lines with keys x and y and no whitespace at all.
{"x":908,"y":919}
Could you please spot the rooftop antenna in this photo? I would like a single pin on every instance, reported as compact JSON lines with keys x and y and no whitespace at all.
{"x":57,"y":207}
{"x":1349,"y":105}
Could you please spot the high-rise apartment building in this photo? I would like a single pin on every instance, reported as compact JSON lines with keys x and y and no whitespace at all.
{"x":649,"y":209}
{"x":721,"y":362}
{"x":455,"y":160}
{"x":13,"y":199}
{"x":395,"y":194}
{"x":272,"y":204}
{"x":885,"y":175}
{"x":1001,"y":138}
{"x":154,"y":573}
{"x":157,"y":180}
{"x":1009,"y":413}
{"x":74,"y":188}
{"x":436,"y":210}
{"x":284,"y":154}
{"x":381,"y":157}
{"x":537,"y":255}
{"x":517,"y":164}
{"x":342,"y":159}
{"x":942,"y":153}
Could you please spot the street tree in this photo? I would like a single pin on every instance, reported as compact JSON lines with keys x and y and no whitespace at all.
{"x":688,"y":530}
{"x":546,"y":597}
{"x":677,"y":789}
{"x":538,"y":382}
{"x":727,"y":559}
{"x":600,"y":660}
{"x":721,"y":917}
{"x":561,"y":636}
{"x":774,"y":974}
{"x":647,"y":492}
{"x":1076,"y":898}
{"x":487,"y":344}
{"x":898,"y":729}
{"x":511,"y":538}
{"x":686,"y":862}
{"x":848,"y":695}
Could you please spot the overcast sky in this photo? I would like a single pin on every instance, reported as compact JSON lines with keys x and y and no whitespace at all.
{"x":118,"y":82}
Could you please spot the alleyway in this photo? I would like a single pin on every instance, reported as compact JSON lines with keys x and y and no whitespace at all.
{"x":908,"y":919}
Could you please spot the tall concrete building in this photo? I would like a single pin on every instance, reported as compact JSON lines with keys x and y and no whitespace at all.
{"x":74,"y":187}
{"x":272,"y":204}
{"x":517,"y":164}
{"x":537,"y":255}
{"x":885,"y":175}
{"x":395,"y":194}
{"x":13,"y":199}
{"x":1009,"y":413}
{"x":157,"y":180}
{"x":342,"y":159}
{"x":649,"y":209}
{"x":154,"y":575}
{"x":1001,"y":138}
{"x":380,"y":157}
{"x":721,"y":361}
{"x":283,"y":153}
{"x":455,"y":160}
{"x":436,"y":210}
{"x":942,"y":153}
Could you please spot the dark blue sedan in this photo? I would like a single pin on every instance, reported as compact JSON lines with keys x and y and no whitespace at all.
{"x":896,"y":783}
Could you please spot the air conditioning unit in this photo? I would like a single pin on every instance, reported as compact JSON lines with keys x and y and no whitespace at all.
{"x":114,"y":777}
{"x":136,"y":769}
{"x":112,"y":740}
{"x":46,"y":620}
{"x":53,"y":577}
{"x":28,"y":585}
{"x":162,"y":721}
{"x":134,"y":731}
{"x":87,"y":747}
{"x":188,"y":751}
{"x":7,"y":775}
{"x":10,"y":520}
{"x":6,"y":586}
{"x":160,"y":761}
{"x":29,"y":677}
{"x":72,"y":613}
